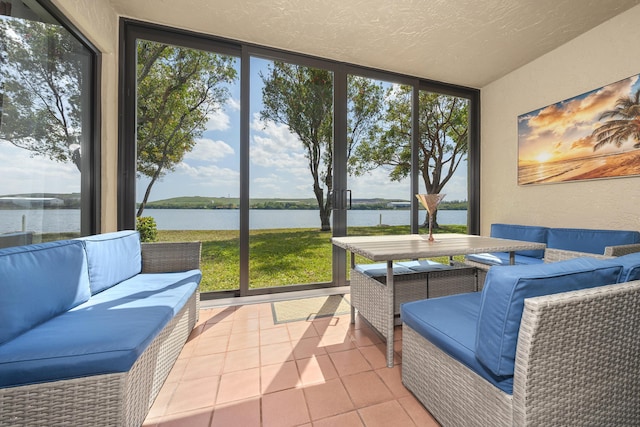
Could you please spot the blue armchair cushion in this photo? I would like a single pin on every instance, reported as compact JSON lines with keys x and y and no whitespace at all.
{"x":106,"y":334}
{"x":502,"y":258}
{"x":380,"y":269}
{"x":423,"y":265}
{"x":39,"y":282}
{"x":591,"y":241}
{"x":504,"y":292}
{"x":450,"y":324}
{"x":113,"y":257}
{"x":527,"y":233}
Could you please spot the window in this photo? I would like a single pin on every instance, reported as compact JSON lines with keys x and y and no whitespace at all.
{"x":48,"y":139}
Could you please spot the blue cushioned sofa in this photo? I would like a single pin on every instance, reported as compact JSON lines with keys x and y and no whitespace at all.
{"x":562,"y":243}
{"x":91,"y":327}
{"x":548,"y":344}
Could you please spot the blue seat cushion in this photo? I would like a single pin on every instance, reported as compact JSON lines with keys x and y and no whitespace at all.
{"x":450,"y":324}
{"x":423,"y":265}
{"x":528,"y":233}
{"x":39,"y":282}
{"x":506,"y":288}
{"x":630,"y":267}
{"x":113,"y":257}
{"x":502,"y":258}
{"x":380,"y":269}
{"x":591,"y":241}
{"x":107,"y":334}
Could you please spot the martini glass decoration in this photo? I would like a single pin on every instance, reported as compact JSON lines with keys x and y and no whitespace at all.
{"x":430,"y":203}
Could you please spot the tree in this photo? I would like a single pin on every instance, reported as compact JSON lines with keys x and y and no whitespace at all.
{"x":302,"y":99}
{"x":617,"y":131}
{"x":41,"y":88}
{"x":443,"y":141}
{"x":178,"y":89}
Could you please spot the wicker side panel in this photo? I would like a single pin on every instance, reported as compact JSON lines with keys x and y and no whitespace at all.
{"x":93,"y":401}
{"x":121,"y":399}
{"x":369,"y":297}
{"x":622,"y":249}
{"x":168,"y":257}
{"x":555,"y":255}
{"x":450,"y":391}
{"x":577,"y":359}
{"x":451,"y":282}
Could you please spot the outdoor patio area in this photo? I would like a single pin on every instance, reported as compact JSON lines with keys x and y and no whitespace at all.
{"x":241,"y":368}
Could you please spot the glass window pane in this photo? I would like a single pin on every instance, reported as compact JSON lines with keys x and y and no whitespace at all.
{"x":188,"y":153}
{"x":45,"y":124}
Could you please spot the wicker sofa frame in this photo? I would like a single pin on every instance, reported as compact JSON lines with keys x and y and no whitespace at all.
{"x":120,"y":399}
{"x":576,"y":364}
{"x":372,"y":298}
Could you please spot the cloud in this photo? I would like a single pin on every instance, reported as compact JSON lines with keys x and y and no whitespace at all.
{"x":218,"y":120}
{"x":209,"y":150}
{"x":22,"y":173}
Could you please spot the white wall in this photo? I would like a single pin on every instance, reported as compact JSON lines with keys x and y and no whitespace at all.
{"x":99,"y":23}
{"x":604,"y":55}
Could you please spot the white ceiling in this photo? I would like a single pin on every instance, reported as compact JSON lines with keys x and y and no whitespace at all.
{"x":465,"y":42}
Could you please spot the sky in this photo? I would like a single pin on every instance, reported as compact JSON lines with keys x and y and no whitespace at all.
{"x":562,"y":131}
{"x":278,"y":167}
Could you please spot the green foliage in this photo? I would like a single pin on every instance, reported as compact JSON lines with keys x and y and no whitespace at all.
{"x":278,"y":257}
{"x":147,"y":228}
{"x":41,"y":83}
{"x":178,"y":89}
{"x":443,"y":127}
{"x":622,"y":126}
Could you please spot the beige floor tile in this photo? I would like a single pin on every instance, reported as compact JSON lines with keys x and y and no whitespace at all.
{"x":350,"y":419}
{"x":316,"y":370}
{"x":197,"y":418}
{"x":239,"y":413}
{"x":239,"y":385}
{"x":301,"y":330}
{"x":308,"y":347}
{"x":243,"y":340}
{"x":239,"y":360}
{"x":285,"y":408}
{"x":193,"y":394}
{"x":204,"y":366}
{"x":386,"y":414}
{"x":417,"y":412}
{"x":274,"y":335}
{"x":275,"y":353}
{"x":328,"y":399}
{"x":366,"y":389}
{"x":279,"y":377}
{"x":349,"y":362}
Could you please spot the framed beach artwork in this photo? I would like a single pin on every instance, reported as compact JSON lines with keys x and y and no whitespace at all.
{"x":591,"y":136}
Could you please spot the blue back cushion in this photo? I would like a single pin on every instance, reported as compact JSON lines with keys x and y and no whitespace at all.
{"x":591,"y":241}
{"x":39,"y":282}
{"x":505,"y":290}
{"x":113,"y":257}
{"x":528,"y":233}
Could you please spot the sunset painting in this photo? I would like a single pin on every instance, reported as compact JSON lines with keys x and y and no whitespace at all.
{"x":591,"y":136}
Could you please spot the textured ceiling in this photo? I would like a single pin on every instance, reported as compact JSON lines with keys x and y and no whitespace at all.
{"x":465,"y":42}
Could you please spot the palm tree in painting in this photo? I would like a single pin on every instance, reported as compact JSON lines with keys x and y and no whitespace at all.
{"x":624,"y":123}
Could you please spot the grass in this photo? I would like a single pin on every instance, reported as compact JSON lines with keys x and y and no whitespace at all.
{"x":276,"y":257}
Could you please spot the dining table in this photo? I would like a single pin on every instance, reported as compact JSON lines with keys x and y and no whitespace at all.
{"x":390,"y":248}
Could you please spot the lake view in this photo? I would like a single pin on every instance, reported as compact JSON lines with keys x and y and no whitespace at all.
{"x":68,"y":220}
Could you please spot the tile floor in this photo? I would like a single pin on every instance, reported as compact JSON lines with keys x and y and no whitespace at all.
{"x":238,"y":368}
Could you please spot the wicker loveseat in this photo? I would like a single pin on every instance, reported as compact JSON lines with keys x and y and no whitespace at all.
{"x":546,"y":345}
{"x":91,"y":327}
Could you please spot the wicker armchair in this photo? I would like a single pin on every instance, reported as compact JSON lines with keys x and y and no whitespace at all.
{"x":576,"y":364}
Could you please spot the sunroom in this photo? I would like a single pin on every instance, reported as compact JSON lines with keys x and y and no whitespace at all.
{"x":518,"y":87}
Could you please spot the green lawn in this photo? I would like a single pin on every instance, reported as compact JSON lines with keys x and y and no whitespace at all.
{"x":277,"y":257}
